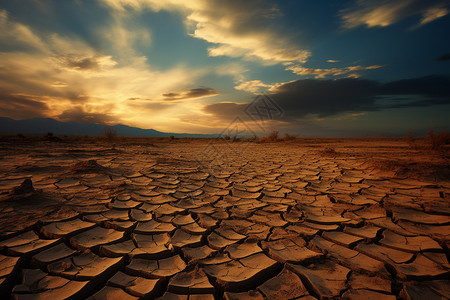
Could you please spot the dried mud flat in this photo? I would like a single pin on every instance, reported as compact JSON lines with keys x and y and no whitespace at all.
{"x":205,"y":219}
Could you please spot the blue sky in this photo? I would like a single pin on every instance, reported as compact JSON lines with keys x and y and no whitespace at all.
{"x":335,"y":68}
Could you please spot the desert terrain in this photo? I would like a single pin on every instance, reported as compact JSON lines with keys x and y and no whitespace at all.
{"x":217,"y":219}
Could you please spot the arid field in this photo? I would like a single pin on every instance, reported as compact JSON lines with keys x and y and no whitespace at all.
{"x":217,"y":219}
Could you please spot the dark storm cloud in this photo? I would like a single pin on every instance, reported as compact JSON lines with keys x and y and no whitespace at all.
{"x":21,"y":106}
{"x":435,"y":86}
{"x":326,"y":98}
{"x":225,"y":110}
{"x":78,"y":114}
{"x":189,"y":94}
{"x":443,"y":57}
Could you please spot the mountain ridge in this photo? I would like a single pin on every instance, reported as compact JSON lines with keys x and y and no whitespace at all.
{"x":45,"y":125}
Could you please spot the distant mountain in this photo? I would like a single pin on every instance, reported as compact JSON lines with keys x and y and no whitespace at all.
{"x":44,"y":125}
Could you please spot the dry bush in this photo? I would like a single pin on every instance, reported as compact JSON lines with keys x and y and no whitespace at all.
{"x":273,"y":137}
{"x":289,"y":137}
{"x":328,"y":151}
{"x":51,"y":137}
{"x":110,"y":134}
{"x":437,"y":142}
{"x":410,"y":140}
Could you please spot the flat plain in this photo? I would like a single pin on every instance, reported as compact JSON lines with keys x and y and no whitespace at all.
{"x":213,"y":219}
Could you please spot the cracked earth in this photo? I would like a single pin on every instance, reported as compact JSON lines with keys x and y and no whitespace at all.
{"x":173,"y":220}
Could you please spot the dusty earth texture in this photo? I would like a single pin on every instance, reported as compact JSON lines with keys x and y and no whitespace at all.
{"x":211,"y":219}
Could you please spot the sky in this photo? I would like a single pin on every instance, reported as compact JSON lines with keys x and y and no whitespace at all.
{"x":330,"y":68}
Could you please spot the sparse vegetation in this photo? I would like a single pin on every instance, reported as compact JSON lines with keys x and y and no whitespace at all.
{"x":410,"y":140}
{"x":51,"y":137}
{"x":437,"y":142}
{"x":289,"y":137}
{"x":328,"y":151}
{"x":273,"y":137}
{"x":109,"y":133}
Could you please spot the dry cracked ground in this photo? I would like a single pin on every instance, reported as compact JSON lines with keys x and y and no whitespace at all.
{"x":207,"y":219}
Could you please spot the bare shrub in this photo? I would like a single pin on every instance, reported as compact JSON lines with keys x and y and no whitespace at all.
{"x":328,"y":151}
{"x":109,"y":133}
{"x":51,"y":137}
{"x":289,"y":137}
{"x":410,"y":140}
{"x":273,"y":137}
{"x":437,"y":141}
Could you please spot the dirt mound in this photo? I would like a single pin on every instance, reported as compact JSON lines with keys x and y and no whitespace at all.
{"x":24,"y":188}
{"x":87,"y":166}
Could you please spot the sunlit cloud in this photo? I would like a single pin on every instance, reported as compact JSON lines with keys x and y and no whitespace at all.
{"x":323,"y":73}
{"x":237,"y":28}
{"x":189,"y":94}
{"x":432,"y":14}
{"x":14,"y":33}
{"x":252,"y":86}
{"x":373,"y":13}
{"x":65,"y":78}
{"x":234,"y":70}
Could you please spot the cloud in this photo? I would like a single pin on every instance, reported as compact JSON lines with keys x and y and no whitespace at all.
{"x":257,"y":86}
{"x":17,"y":34}
{"x":237,"y":28}
{"x":435,"y":86}
{"x":432,"y":14}
{"x":235,"y":70}
{"x":318,"y":98}
{"x":123,"y":35}
{"x":324,"y":97}
{"x":190,"y":94}
{"x":252,"y":86}
{"x":65,"y":77}
{"x":20,"y":106}
{"x":79,"y":114}
{"x":225,"y":110}
{"x":375,"y":13}
{"x":443,"y":57}
{"x":322,"y":73}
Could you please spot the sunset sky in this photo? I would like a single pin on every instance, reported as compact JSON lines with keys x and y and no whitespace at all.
{"x":335,"y":68}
